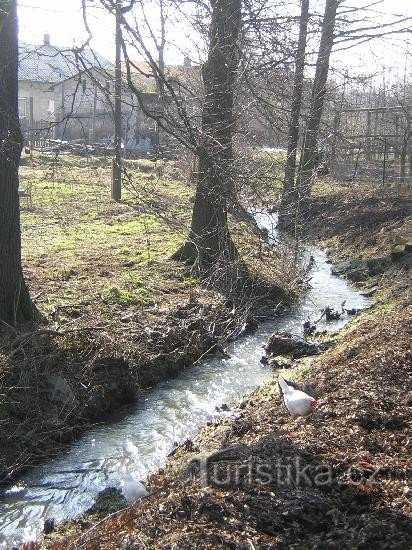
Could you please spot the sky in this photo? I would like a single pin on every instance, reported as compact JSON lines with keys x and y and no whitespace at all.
{"x":62,"y":19}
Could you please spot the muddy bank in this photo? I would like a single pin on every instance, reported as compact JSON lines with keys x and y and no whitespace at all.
{"x":339,"y":478}
{"x":367,"y":233}
{"x":360,"y":222}
{"x":55,"y":383}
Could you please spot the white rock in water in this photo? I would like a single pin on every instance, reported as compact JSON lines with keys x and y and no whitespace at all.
{"x":133,"y":489}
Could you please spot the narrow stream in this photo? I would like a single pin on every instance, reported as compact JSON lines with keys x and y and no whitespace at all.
{"x":170,"y":412}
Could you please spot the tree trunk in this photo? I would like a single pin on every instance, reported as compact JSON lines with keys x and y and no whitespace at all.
{"x":209,"y":238}
{"x":15,"y":303}
{"x":309,"y":155}
{"x":404,"y":152}
{"x":161,"y":45}
{"x":289,"y":198}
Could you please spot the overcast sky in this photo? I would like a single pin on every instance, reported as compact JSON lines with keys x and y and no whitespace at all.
{"x":62,"y":19}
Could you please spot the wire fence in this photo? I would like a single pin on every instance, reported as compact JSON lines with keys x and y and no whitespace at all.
{"x":372,"y":144}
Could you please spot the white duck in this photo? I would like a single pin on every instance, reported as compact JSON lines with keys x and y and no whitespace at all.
{"x":133,"y":489}
{"x":297,"y":402}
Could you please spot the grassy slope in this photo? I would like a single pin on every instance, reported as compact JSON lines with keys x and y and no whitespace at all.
{"x":361,"y":432}
{"x":82,"y":249}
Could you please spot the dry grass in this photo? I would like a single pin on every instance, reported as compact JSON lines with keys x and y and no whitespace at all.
{"x":358,"y":219}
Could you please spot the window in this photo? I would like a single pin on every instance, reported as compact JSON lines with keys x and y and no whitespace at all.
{"x":23,"y":107}
{"x":84,"y":84}
{"x":50,"y":108}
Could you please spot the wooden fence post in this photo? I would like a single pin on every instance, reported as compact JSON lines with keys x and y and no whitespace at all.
{"x":384,"y":163}
{"x":368,"y":134}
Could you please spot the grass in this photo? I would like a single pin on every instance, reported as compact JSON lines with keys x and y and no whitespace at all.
{"x":81,"y":248}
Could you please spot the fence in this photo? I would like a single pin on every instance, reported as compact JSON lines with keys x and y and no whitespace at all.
{"x":37,"y":134}
{"x":372,"y":144}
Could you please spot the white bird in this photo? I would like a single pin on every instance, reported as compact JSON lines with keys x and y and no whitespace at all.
{"x":297,"y":402}
{"x":133,"y":489}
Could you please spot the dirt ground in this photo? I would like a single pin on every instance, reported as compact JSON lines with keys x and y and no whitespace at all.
{"x":340,"y":478}
{"x":359,"y":220}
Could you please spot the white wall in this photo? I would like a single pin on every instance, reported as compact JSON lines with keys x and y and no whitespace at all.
{"x":43,"y":99}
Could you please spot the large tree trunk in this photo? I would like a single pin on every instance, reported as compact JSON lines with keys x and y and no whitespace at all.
{"x":289,"y":195}
{"x":15,"y":303}
{"x":309,"y":155}
{"x":209,"y":238}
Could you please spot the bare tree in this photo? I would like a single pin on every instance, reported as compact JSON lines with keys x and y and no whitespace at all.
{"x":357,"y":26}
{"x":289,"y":198}
{"x":209,"y":237}
{"x":309,"y":154}
{"x":15,"y":303}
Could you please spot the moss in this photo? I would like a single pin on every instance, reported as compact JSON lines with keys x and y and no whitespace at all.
{"x":124,"y":297}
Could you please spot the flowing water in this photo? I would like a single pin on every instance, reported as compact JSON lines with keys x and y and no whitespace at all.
{"x":170,"y":412}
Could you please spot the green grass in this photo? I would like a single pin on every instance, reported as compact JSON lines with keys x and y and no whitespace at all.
{"x":80,"y":247}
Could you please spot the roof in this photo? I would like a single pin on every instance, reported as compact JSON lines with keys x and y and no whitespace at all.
{"x":142,"y":74}
{"x":47,"y":63}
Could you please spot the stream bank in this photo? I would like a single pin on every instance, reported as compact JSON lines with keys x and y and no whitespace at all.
{"x":120,"y":315}
{"x":57,"y":383}
{"x":173,"y":411}
{"x":359,"y":440}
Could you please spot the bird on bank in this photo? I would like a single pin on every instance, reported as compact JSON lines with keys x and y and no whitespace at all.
{"x":132,"y":488}
{"x":297,"y":402}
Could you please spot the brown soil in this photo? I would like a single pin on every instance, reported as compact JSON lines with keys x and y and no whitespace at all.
{"x":360,"y":435}
{"x":360,"y":219}
{"x":359,"y":439}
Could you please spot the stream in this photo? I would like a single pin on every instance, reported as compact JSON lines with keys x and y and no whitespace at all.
{"x":170,"y":412}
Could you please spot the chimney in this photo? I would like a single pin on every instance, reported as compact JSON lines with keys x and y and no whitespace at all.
{"x":187,"y":62}
{"x":46,"y":40}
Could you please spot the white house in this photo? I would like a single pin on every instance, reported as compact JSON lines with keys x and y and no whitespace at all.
{"x":42,"y":95}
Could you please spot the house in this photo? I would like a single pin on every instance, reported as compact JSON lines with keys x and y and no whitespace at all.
{"x":69,"y":95}
{"x":41,"y":71}
{"x":85,"y":108}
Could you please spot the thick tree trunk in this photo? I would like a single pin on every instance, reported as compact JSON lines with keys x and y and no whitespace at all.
{"x":15,"y":303}
{"x":209,"y":238}
{"x":309,"y":155}
{"x":289,"y":194}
